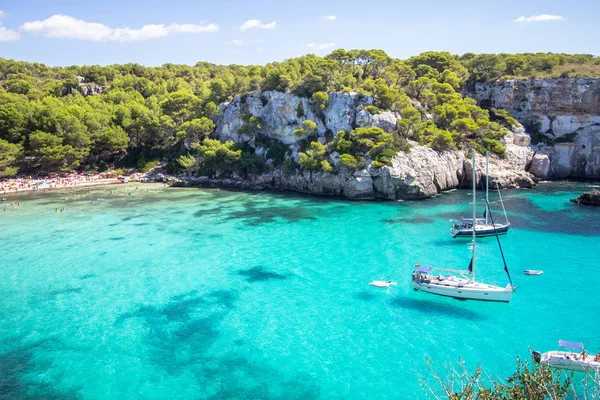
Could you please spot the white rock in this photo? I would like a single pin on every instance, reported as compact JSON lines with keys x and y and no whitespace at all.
{"x":555,"y":108}
{"x":540,"y":166}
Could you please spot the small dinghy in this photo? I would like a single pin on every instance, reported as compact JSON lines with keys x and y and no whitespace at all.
{"x":533,"y":272}
{"x":382,"y":283}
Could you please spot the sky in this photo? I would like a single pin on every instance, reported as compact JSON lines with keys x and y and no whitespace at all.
{"x":150,"y":32}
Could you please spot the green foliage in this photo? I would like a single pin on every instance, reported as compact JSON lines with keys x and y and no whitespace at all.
{"x":373,"y":110}
{"x":147,"y":166}
{"x":537,"y":382}
{"x":309,"y":128}
{"x":252,"y":125}
{"x":349,"y":161}
{"x":196,"y":130}
{"x":486,"y":67}
{"x":439,"y":61}
{"x":277,"y":152}
{"x":503,"y":117}
{"x":300,"y":110}
{"x":250,"y":162}
{"x":146,"y":112}
{"x":442,"y":140}
{"x":187,"y":162}
{"x":313,"y":157}
{"x":489,"y":67}
{"x":340,"y":143}
{"x":9,"y":154}
{"x":217,"y":156}
{"x":320,"y":99}
{"x":325,"y":166}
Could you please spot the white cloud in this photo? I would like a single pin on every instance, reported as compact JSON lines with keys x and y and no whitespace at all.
{"x":541,"y":17}
{"x":7,"y":35}
{"x":257,"y":40}
{"x":260,"y":49}
{"x":237,"y":42}
{"x":329,"y":17}
{"x":256,"y":23}
{"x":319,"y":46}
{"x":64,"y":26}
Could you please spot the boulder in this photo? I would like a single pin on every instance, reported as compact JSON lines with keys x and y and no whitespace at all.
{"x":540,"y":166}
{"x":359,"y":186}
{"x":591,"y":198}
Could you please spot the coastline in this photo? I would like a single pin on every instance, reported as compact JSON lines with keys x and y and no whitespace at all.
{"x":48,"y":188}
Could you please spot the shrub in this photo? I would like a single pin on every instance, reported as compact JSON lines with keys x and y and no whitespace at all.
{"x":503,"y":117}
{"x":373,"y":110}
{"x":187,"y":162}
{"x":442,"y":140}
{"x":349,"y":161}
{"x":309,"y":129}
{"x":325,"y":166}
{"x":313,"y":157}
{"x":300,"y":110}
{"x":321,"y":99}
{"x":277,"y":151}
{"x":147,"y":166}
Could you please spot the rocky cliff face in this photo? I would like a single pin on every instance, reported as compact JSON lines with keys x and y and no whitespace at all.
{"x":421,"y":173}
{"x":85,"y":88}
{"x":563,"y":114}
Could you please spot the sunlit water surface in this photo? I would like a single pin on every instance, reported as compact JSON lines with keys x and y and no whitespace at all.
{"x":164,"y":293}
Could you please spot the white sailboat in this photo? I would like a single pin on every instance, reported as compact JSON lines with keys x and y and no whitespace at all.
{"x":485,"y":226}
{"x":461,"y":284}
{"x":571,"y":360}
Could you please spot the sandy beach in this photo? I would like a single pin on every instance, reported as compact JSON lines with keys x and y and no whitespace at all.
{"x":15,"y":186}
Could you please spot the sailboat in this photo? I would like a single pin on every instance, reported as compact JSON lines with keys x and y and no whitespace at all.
{"x":482,"y":226}
{"x":570,"y":359}
{"x":461,"y":284}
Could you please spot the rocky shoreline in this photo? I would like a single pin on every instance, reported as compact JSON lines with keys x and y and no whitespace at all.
{"x":419,"y":174}
{"x":591,"y":198}
{"x":562,"y":112}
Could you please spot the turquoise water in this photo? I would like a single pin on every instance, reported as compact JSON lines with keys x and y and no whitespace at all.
{"x":200,"y":294}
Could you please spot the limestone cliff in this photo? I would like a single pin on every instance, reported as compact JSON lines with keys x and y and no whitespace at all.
{"x":420,"y":173}
{"x":562,"y":115}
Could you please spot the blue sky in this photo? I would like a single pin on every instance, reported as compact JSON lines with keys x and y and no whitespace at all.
{"x":67,"y":32}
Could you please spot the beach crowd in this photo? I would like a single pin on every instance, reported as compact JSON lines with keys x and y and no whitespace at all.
{"x":56,"y":181}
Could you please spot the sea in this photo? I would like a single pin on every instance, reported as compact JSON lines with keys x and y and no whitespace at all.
{"x":140,"y":291}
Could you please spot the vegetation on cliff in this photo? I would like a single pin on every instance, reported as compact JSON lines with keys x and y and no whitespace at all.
{"x":140,"y":114}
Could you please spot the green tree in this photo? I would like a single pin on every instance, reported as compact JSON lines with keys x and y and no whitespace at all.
{"x":309,"y":128}
{"x":9,"y":154}
{"x":349,"y":161}
{"x":196,"y":129}
{"x":187,"y":162}
{"x":313,"y":157}
{"x":218,"y":157}
{"x":320,"y":99}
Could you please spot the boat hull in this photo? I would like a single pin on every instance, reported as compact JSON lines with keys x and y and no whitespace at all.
{"x":482,"y":293}
{"x":481,"y":232}
{"x":570,"y":361}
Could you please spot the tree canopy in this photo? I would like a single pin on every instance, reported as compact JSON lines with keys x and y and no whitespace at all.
{"x":138,"y":114}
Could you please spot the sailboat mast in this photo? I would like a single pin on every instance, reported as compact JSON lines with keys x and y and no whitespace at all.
{"x":487,"y":183}
{"x":474,"y":173}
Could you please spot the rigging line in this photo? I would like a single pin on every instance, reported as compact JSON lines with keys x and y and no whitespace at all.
{"x":501,"y":202}
{"x":500,"y":246}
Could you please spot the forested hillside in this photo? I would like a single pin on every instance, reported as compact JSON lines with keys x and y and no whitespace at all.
{"x":95,"y":117}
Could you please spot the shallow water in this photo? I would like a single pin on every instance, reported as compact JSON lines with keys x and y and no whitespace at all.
{"x":189,"y":293}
